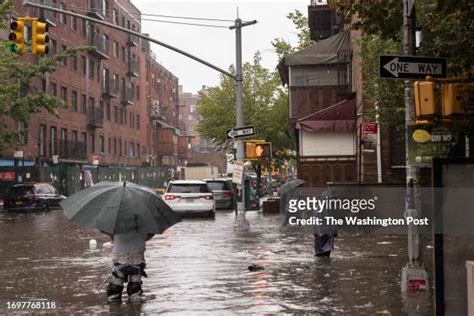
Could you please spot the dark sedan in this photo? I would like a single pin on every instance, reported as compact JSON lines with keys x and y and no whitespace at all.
{"x":32,"y":197}
{"x":223,"y":193}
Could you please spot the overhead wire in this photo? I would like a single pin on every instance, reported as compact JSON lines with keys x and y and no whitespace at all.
{"x":86,"y":9}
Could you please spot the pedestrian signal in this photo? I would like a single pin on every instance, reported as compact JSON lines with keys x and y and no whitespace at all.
{"x":258,"y":150}
{"x":16,"y":36}
{"x":39,"y":39}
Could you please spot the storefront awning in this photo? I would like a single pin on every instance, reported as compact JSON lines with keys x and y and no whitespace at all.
{"x":340,"y":117}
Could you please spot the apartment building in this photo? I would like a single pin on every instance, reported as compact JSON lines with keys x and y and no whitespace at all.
{"x":109,"y":91}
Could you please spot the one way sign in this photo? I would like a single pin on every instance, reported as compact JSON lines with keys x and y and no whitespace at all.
{"x":240,"y":132}
{"x":411,"y":67}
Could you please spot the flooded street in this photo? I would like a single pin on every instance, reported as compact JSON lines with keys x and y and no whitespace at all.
{"x":200,"y":266}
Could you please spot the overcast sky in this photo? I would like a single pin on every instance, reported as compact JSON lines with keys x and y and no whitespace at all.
{"x":216,"y":45}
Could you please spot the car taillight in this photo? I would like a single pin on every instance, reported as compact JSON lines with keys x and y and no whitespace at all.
{"x":171,"y":197}
{"x":227,"y":194}
{"x":207,"y":197}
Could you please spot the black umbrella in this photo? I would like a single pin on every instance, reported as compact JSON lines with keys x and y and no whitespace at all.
{"x":120,"y":207}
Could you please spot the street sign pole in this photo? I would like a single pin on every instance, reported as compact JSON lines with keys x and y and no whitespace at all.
{"x":241,"y":223}
{"x":414,"y":272}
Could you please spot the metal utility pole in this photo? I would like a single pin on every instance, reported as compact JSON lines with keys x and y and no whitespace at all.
{"x":414,"y":275}
{"x":242,"y":224}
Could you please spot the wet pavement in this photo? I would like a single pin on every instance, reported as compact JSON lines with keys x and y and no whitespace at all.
{"x":200,"y":267}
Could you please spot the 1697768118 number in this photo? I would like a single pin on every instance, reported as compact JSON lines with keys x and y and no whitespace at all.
{"x":33,"y":304}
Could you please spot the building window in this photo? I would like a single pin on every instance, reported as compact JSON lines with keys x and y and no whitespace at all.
{"x":63,"y":142}
{"x":22,"y":133}
{"x":138,"y":121}
{"x":62,"y":17}
{"x":74,"y":23}
{"x":115,"y":16}
{"x":53,"y":47}
{"x":74,"y":101}
{"x":64,"y":93}
{"x":110,"y":145}
{"x":63,"y":49}
{"x":83,"y":28}
{"x":74,"y":63}
{"x":125,"y":117}
{"x":138,"y":93}
{"x":116,"y":49}
{"x":120,"y":148}
{"x":83,"y":103}
{"x":138,"y":150}
{"x":74,"y":137}
{"x":107,"y":111}
{"x":42,"y":140}
{"x":121,"y":117}
{"x":83,"y":65}
{"x":91,"y":69}
{"x":92,"y":142}
{"x":53,"y":140}
{"x":43,"y":85}
{"x":101,"y":144}
{"x":53,"y":89}
{"x":116,"y":115}
{"x":131,"y":119}
{"x":115,"y":146}
{"x":84,"y":140}
{"x":132,"y":149}
{"x":124,"y":54}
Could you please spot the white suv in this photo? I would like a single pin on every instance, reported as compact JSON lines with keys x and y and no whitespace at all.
{"x":190,"y":198}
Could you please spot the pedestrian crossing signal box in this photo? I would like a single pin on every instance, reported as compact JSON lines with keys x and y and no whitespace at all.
{"x":258,"y":150}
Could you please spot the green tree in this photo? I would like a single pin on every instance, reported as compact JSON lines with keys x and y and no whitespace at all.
{"x":17,"y":98}
{"x":283,"y":47}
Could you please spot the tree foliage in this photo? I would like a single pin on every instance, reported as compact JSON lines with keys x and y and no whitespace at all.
{"x":18,"y":99}
{"x":447,"y":26}
{"x":283,"y":47}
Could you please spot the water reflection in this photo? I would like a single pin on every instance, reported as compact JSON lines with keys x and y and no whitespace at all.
{"x":201,"y":267}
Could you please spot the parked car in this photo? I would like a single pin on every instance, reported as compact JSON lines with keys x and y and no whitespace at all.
{"x":223,"y":193}
{"x":190,"y":198}
{"x":32,"y":197}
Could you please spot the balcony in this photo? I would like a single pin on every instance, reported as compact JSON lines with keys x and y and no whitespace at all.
{"x":100,"y":43}
{"x":71,"y":150}
{"x":127,"y":95}
{"x":132,"y":40}
{"x":95,"y":9}
{"x":110,"y":87}
{"x":133,"y":68}
{"x":95,"y":117}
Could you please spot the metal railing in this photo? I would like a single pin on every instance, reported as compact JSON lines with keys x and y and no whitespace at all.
{"x":110,"y":86}
{"x":133,"y":68}
{"x":102,"y":45}
{"x":95,"y":117}
{"x":95,"y":8}
{"x":127,"y":94}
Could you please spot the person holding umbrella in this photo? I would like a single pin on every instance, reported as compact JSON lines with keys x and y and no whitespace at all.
{"x":130,"y":214}
{"x":128,"y":257}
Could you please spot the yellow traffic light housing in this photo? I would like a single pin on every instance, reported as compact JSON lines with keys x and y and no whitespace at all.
{"x":258,"y":150}
{"x":452,"y":101}
{"x":16,"y":36}
{"x":39,"y":38}
{"x":426,"y":99}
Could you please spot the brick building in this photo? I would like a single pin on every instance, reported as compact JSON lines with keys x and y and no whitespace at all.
{"x":109,"y":92}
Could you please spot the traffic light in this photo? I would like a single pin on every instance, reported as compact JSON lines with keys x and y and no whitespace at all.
{"x":39,"y":38}
{"x":426,"y":99}
{"x":451,"y":99}
{"x":16,"y":36}
{"x":258,"y":150}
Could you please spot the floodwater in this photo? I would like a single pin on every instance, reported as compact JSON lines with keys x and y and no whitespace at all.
{"x":200,"y":267}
